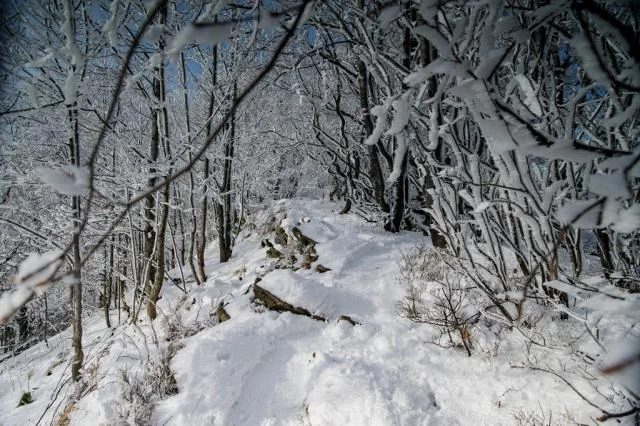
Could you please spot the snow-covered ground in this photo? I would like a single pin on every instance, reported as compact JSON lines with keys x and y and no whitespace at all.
{"x":262,"y":367}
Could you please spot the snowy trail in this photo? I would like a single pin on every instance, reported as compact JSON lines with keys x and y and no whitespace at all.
{"x":284,"y":369}
{"x":247,"y":361}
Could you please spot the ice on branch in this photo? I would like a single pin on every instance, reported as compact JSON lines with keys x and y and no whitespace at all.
{"x":590,"y":62}
{"x":435,"y":38}
{"x":398,"y":157}
{"x":389,"y":14}
{"x":401,"y":117}
{"x":268,"y":19}
{"x":154,"y":32}
{"x":37,"y":269}
{"x":110,"y":27}
{"x":592,"y":214}
{"x":380,"y":112}
{"x":71,"y":89}
{"x":200,"y":32}
{"x":34,"y":274}
{"x":69,"y":180}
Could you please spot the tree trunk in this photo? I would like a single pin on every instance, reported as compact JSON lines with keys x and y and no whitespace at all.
{"x":202,"y":241}
{"x":401,"y":186}
{"x":76,"y":289}
{"x":108,"y":280}
{"x":183,"y":248}
{"x":375,"y":171}
{"x":437,"y":239}
{"x":400,"y":195}
{"x":194,"y":219}
{"x":194,"y":229}
{"x":574,"y":246}
{"x":154,"y":293}
{"x":22,"y":319}
{"x":154,"y":150}
{"x":45,"y":328}
{"x":161,"y":139}
{"x":76,"y":286}
{"x":224,"y":217}
{"x":149,"y":202}
{"x":222,"y":207}
{"x":604,"y":251}
{"x":172,"y":228}
{"x":76,"y":205}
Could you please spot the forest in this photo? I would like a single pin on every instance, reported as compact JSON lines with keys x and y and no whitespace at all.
{"x":151,"y":149}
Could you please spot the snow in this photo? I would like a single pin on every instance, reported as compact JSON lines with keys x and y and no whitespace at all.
{"x":34,"y":274}
{"x":530,"y":97}
{"x":155,"y":60}
{"x":267,"y":368}
{"x":206,"y":33}
{"x":72,"y":48}
{"x":398,"y":157}
{"x":507,"y":24}
{"x":70,"y":88}
{"x":490,"y":62}
{"x":628,"y":220}
{"x":544,"y":13}
{"x":321,"y":300}
{"x":33,"y":96}
{"x":37,"y":63}
{"x":380,"y":112}
{"x":613,"y":185}
{"x":429,"y":9}
{"x":586,"y":215}
{"x":154,"y":32}
{"x":389,"y":14}
{"x":621,"y":117}
{"x":621,"y":353}
{"x":69,"y":180}
{"x":267,"y":19}
{"x":11,"y":301}
{"x":44,"y":370}
{"x":590,"y":62}
{"x":110,"y":26}
{"x":401,"y":107}
{"x":213,"y":8}
{"x":435,"y":38}
{"x":307,"y":13}
{"x":38,"y":268}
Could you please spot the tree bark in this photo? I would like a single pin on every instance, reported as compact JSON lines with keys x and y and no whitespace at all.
{"x":150,"y":200}
{"x":375,"y":171}
{"x":400,"y":195}
{"x":401,"y":186}
{"x":108,"y":279}
{"x":161,"y":139}
{"x":604,"y":251}
{"x":437,"y":239}
{"x":202,"y":241}
{"x":154,"y":293}
{"x":223,"y":210}
{"x":76,"y":286}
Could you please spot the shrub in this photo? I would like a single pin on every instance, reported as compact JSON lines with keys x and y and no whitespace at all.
{"x":444,"y":306}
{"x":423,"y":263}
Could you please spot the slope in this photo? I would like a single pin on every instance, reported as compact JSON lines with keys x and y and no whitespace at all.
{"x":261,"y":367}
